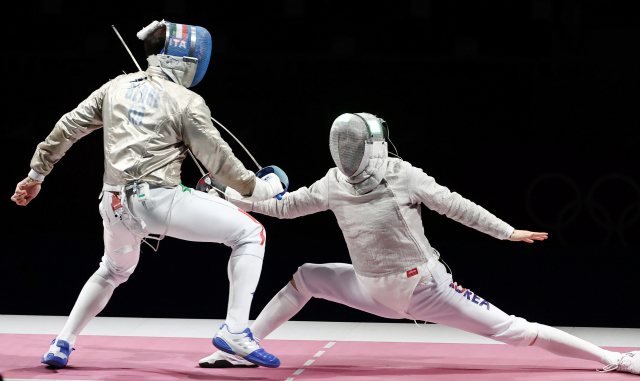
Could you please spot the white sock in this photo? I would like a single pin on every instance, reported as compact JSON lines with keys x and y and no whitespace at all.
{"x":563,"y":344}
{"x":244,"y":273}
{"x":94,"y":296}
{"x":281,"y":308}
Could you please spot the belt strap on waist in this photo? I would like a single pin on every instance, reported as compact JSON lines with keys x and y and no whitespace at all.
{"x":116,"y":188}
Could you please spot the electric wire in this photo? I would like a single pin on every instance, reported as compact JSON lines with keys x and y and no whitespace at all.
{"x":389,"y":137}
{"x":196,"y":161}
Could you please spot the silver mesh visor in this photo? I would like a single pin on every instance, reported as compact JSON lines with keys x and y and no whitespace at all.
{"x":347,"y":139}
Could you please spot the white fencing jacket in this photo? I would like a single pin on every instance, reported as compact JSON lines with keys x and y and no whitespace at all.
{"x":383,"y":228}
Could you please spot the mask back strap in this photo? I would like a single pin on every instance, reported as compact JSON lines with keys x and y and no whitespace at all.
{"x":166,"y":38}
{"x":192,"y":49}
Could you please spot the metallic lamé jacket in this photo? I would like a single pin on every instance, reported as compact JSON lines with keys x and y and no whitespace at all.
{"x":148,"y":123}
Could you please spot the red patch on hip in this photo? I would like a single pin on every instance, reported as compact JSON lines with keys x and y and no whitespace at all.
{"x":412,"y":272}
{"x":116,"y":203}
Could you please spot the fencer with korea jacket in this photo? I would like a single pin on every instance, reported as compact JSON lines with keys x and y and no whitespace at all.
{"x":380,"y":219}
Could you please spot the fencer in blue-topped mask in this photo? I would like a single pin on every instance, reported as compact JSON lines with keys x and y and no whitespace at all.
{"x":185,"y":54}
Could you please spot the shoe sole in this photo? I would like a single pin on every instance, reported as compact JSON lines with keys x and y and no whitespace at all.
{"x":54,"y":361}
{"x":223,"y":346}
{"x":224,"y":364}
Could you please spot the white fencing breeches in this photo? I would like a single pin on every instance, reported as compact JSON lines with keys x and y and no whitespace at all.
{"x":443,"y":303}
{"x":181,"y":213}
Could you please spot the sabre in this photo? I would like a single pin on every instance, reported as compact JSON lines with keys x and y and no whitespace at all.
{"x":126,"y":47}
{"x":262,"y":171}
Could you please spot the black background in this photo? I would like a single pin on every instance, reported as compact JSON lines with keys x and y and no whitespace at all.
{"x":528,"y":108}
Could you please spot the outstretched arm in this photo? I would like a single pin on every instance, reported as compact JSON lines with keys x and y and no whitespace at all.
{"x":423,"y":188}
{"x":74,"y":125}
{"x":294,"y":204}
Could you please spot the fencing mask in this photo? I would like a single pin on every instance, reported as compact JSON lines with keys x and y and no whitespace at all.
{"x":354,"y":140}
{"x":186,"y":53}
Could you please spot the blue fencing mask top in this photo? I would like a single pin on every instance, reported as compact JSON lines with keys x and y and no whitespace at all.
{"x":186,"y":53}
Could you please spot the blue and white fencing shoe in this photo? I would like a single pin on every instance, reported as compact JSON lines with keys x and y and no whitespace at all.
{"x":243,"y":345}
{"x":58,"y":354}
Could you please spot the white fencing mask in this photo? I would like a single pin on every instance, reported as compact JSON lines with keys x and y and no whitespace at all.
{"x":354,"y":140}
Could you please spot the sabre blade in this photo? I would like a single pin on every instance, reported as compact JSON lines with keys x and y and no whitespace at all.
{"x":239,"y":142}
{"x":126,"y":47}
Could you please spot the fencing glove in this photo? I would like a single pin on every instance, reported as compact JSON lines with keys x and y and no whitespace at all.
{"x":266,"y":187}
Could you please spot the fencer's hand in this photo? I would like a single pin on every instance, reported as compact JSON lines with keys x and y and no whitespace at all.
{"x":274,"y":183}
{"x":266,"y":187}
{"x":26,"y":190}
{"x":527,"y":236}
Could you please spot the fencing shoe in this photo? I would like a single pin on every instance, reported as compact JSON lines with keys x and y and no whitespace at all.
{"x":220,"y":359}
{"x":628,"y":363}
{"x":243,"y":345}
{"x":58,"y":354}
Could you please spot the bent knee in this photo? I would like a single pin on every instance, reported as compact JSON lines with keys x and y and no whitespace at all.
{"x":253,"y":233}
{"x":305,"y":275}
{"x":114,"y":276}
{"x":317,"y":279}
{"x":297,"y":281}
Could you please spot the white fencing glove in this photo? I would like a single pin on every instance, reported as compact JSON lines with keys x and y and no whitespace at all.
{"x":266,"y":187}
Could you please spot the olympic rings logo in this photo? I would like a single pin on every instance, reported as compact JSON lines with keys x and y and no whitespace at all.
{"x":614,"y":224}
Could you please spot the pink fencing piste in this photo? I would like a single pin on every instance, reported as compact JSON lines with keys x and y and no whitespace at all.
{"x":156,"y":358}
